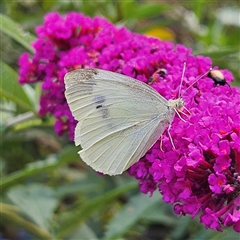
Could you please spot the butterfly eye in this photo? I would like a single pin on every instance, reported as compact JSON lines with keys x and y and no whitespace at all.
{"x":180,"y":103}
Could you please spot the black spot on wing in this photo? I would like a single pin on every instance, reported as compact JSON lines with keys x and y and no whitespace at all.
{"x":104,"y":112}
{"x":99,"y":99}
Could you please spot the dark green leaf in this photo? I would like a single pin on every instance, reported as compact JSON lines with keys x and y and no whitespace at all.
{"x":85,"y":232}
{"x":11,"y":89}
{"x":36,"y":201}
{"x":130,"y":214}
{"x":11,"y":215}
{"x":162,"y":214}
{"x":223,"y":51}
{"x":84,"y":211}
{"x":14,"y":30}
{"x":133,"y":10}
{"x":51,"y":163}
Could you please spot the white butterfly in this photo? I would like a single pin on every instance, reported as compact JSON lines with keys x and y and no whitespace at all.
{"x":119,"y":118}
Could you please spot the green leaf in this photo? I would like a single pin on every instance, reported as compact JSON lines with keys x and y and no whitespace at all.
{"x":162,"y":214}
{"x":14,"y":30}
{"x":51,"y":163}
{"x":200,"y":232}
{"x":11,"y":214}
{"x":85,"y":232}
{"x":182,"y":227}
{"x":221,"y":52}
{"x":11,"y":89}
{"x":130,"y":214}
{"x":36,"y":201}
{"x":136,"y":11}
{"x":83,"y":185}
{"x":80,"y":213}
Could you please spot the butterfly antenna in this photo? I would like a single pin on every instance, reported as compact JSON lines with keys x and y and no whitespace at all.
{"x":210,"y":69}
{"x":183,"y":73}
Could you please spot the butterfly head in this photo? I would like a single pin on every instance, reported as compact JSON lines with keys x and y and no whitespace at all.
{"x":177,"y":104}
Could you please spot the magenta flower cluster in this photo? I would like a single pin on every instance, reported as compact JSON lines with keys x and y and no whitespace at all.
{"x":202,"y":175}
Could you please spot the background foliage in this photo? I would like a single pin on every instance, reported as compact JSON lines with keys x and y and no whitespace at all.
{"x":46,"y":191}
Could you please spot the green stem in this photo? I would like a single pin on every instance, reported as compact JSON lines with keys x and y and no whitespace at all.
{"x":11,"y":214}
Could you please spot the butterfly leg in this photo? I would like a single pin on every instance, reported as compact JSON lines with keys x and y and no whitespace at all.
{"x":170,"y":137}
{"x":188,"y":112}
{"x":160,"y":145}
{"x":178,"y":116}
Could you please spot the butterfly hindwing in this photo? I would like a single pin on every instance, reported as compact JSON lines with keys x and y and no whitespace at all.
{"x":119,"y":118}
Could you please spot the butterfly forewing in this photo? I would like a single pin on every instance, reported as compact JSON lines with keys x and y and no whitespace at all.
{"x":119,"y":118}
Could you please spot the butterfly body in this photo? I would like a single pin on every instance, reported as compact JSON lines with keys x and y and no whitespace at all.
{"x":119,"y":118}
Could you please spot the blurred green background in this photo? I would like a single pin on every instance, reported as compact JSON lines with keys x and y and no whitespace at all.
{"x":46,"y":191}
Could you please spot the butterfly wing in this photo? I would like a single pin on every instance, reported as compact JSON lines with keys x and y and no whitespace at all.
{"x":119,"y":118}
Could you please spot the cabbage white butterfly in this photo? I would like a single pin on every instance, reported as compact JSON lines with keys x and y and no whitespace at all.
{"x":119,"y":118}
